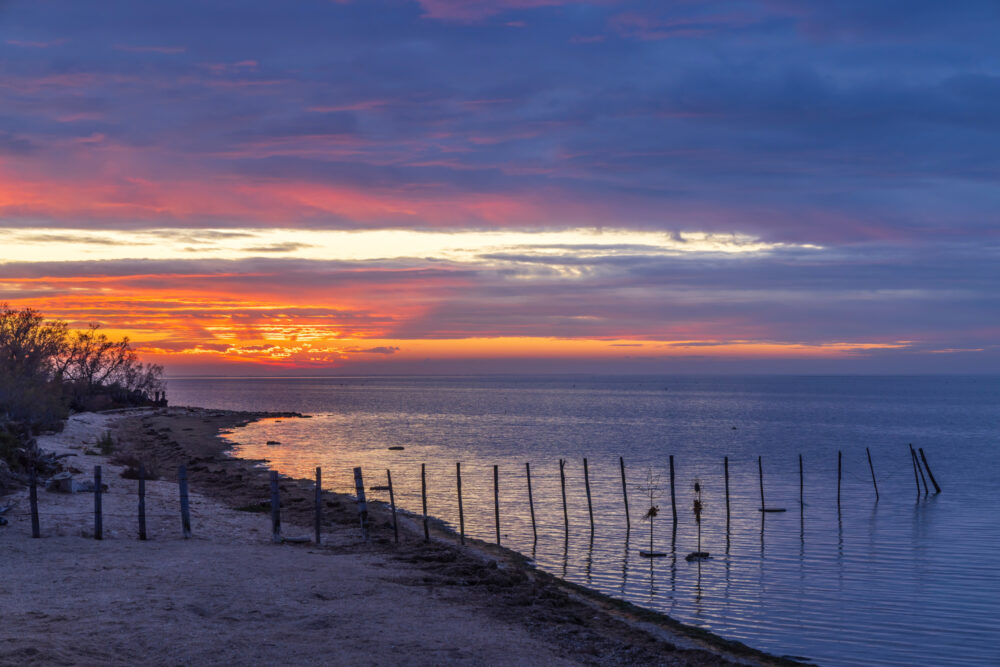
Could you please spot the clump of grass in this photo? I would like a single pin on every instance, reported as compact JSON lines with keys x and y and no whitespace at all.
{"x":105,"y":443}
{"x":260,"y":507}
{"x":132,"y":463}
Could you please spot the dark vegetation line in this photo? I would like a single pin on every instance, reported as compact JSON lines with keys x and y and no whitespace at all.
{"x":47,"y":371}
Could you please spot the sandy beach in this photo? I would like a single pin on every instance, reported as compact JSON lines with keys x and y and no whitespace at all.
{"x":230,"y":596}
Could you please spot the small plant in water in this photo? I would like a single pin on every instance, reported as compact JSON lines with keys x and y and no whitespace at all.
{"x":652,"y":488}
{"x":697,"y":508}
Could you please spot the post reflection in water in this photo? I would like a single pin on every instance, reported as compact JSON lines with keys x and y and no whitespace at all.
{"x":565,"y":563}
{"x":628,"y":534}
{"x":590,"y":559}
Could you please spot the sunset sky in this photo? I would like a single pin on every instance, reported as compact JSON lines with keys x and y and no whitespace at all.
{"x":460,"y":186}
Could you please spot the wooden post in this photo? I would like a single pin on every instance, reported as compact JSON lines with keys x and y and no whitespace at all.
{"x":838,"y":478}
{"x":937,"y":489}
{"x":760,"y":473}
{"x":318,"y":518}
{"x":923,"y":478}
{"x":802,"y":501}
{"x":562,"y":481}
{"x":275,"y":509}
{"x":531,"y":501}
{"x":33,"y":499}
{"x":725,"y":470}
{"x":916,"y":478}
{"x":628,"y":519}
{"x":423,"y":496}
{"x":98,"y":517}
{"x":359,"y":490}
{"x":182,"y":484}
{"x":590,"y":505}
{"x":142,"y":502}
{"x":673,"y":497}
{"x":496,"y":499}
{"x":392,"y":503}
{"x":872,"y":468}
{"x":461,"y":513}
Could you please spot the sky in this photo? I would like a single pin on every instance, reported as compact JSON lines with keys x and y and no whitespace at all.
{"x":506,"y":186}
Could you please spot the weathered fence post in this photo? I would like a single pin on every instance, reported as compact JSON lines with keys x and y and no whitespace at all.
{"x":318,"y":517}
{"x":916,"y":478}
{"x":872,"y":468}
{"x":923,"y":478}
{"x":275,"y":509}
{"x":392,"y":503}
{"x":531,"y":501}
{"x":628,"y":519}
{"x":33,"y":499}
{"x":182,"y":485}
{"x":673,"y":496}
{"x":760,"y":473}
{"x":98,"y":518}
{"x":562,"y":481}
{"x":496,"y":499}
{"x":423,"y":496}
{"x":838,"y":478}
{"x":586,"y":483}
{"x":725,"y":470}
{"x":802,"y":486}
{"x":937,"y":489}
{"x":359,"y":490}
{"x":461,"y":512}
{"x":142,"y":502}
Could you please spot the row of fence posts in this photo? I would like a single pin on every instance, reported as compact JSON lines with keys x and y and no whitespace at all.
{"x":920,"y":465}
{"x":362,"y":507}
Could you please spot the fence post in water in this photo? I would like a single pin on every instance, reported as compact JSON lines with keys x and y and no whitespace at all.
{"x":359,"y":490}
{"x":628,"y":519}
{"x":916,"y":478}
{"x":937,"y":489}
{"x":872,"y":468}
{"x":423,"y":497}
{"x":142,"y":502}
{"x":33,"y":498}
{"x":392,"y":503}
{"x":673,"y":498}
{"x":760,"y":473}
{"x":802,"y":502}
{"x":923,"y":478}
{"x":838,"y":479}
{"x":562,"y":481}
{"x":496,"y":499}
{"x":586,"y":483}
{"x":318,"y":517}
{"x":725,"y":470}
{"x":275,"y":509}
{"x":531,"y":501}
{"x":98,"y":518}
{"x":461,"y":513}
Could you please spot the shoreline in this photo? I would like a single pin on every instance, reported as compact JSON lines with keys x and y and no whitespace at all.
{"x":492,"y":583}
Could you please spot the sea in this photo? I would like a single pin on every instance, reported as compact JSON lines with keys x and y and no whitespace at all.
{"x":878,"y":568}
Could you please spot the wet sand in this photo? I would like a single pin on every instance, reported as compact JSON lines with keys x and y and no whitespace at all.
{"x":230,"y":596}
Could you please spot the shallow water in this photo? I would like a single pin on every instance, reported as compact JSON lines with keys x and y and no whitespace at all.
{"x":901,"y":580}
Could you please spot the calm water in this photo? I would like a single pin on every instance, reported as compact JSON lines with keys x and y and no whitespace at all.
{"x":904,"y":580}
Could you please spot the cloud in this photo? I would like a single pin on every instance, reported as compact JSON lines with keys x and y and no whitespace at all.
{"x":166,"y":50}
{"x":477,"y":10}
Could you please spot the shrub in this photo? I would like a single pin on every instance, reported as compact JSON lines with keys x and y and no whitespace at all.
{"x":106,"y":443}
